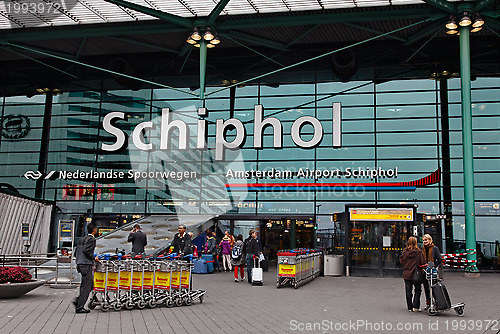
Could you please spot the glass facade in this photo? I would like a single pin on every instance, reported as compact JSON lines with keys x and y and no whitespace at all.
{"x":396,"y":124}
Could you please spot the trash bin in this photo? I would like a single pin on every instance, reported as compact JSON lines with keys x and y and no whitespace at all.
{"x":334,"y":265}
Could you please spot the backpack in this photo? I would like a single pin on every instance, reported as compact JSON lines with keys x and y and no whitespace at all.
{"x":236,"y":252}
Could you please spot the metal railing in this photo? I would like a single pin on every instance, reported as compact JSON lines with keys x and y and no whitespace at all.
{"x":38,"y":261}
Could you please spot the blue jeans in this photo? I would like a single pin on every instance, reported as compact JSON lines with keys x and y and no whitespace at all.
{"x":249,"y":267}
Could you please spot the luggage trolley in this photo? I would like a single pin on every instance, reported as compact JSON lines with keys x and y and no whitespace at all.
{"x":440,"y":300}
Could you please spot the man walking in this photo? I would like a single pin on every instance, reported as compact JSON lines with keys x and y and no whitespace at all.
{"x":84,"y":262}
{"x":182,"y":242}
{"x":138,"y":238}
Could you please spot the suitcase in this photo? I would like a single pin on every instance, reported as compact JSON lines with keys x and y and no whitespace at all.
{"x":200,"y":266}
{"x":441,"y":296}
{"x":209,"y":258}
{"x":257,"y":273}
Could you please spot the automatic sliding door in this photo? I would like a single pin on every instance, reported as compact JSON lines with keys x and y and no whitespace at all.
{"x":363,"y":248}
{"x":394,"y":235}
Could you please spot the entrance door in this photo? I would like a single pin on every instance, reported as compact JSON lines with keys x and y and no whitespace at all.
{"x":375,"y":247}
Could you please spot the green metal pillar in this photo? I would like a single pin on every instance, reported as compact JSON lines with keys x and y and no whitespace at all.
{"x":203,"y":67}
{"x":470,"y":219}
{"x":293,"y":234}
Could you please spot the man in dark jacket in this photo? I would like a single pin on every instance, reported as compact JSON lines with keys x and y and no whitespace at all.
{"x":252,"y":249}
{"x":182,"y":242}
{"x":138,"y":238}
{"x":84,"y":262}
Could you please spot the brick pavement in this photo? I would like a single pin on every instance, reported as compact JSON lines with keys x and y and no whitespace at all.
{"x":231,"y":307}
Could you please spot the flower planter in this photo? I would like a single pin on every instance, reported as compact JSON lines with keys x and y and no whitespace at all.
{"x":14,"y":290}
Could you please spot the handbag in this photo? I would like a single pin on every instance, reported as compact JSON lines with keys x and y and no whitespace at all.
{"x":418,"y":276}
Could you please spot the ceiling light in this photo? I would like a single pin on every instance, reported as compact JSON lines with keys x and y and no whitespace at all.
{"x":478,"y":21}
{"x":208,"y":36}
{"x":196,"y":35}
{"x":197,"y":45}
{"x":451,"y":24}
{"x":191,"y":41}
{"x":215,"y":41}
{"x":476,"y":29}
{"x":465,"y":21}
{"x":451,"y":32}
{"x":210,"y":45}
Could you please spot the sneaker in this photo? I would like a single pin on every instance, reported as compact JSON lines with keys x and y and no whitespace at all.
{"x":410,"y":310}
{"x":417,"y":310}
{"x":243,"y":278}
{"x":236,"y":280}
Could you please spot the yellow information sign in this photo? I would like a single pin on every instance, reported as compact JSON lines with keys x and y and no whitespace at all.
{"x":112,"y":281}
{"x":381,"y":214}
{"x":162,"y":280}
{"x":99,"y":281}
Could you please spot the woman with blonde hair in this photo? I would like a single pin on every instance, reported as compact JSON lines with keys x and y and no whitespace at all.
{"x":411,"y":259}
{"x":431,"y":254}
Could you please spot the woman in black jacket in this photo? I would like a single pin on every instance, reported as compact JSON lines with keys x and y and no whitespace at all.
{"x":411,"y":259}
{"x":431,"y":254}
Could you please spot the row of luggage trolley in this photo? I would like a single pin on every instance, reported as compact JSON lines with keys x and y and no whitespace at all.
{"x":127,"y":283}
{"x":297,"y":267}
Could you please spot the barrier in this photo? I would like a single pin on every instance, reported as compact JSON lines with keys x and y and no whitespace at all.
{"x":129,"y":282}
{"x":456,"y":261}
{"x":298,"y":267}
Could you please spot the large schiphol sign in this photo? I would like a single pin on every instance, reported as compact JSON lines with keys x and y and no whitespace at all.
{"x":167,"y":125}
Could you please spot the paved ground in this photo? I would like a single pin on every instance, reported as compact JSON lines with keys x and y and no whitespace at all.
{"x":335,"y":304}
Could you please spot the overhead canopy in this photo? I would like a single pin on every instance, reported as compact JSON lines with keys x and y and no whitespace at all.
{"x":257,"y":36}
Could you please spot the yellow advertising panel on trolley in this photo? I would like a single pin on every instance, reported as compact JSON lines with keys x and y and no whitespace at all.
{"x":185,"y":279}
{"x":287,"y":270}
{"x":137,"y":280}
{"x":99,"y":281}
{"x":148,"y":280}
{"x":176,"y":277}
{"x":113,"y":281}
{"x":162,"y":280}
{"x":125,"y":280}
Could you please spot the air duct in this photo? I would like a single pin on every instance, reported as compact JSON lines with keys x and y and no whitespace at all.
{"x":121,"y":65}
{"x":345,"y":65}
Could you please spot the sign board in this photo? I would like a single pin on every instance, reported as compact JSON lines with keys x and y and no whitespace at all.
{"x":397,"y":214}
{"x":66,"y":230}
{"x":25,"y":231}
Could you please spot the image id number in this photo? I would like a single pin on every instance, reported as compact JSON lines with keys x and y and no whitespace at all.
{"x":478,"y":325}
{"x":32,"y":7}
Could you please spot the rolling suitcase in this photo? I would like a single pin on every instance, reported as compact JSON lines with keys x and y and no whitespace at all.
{"x":209,"y":258}
{"x":441,"y":296}
{"x":200,"y":266}
{"x":257,"y":273}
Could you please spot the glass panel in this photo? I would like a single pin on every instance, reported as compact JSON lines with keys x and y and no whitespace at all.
{"x":393,"y":242}
{"x":363,"y":244}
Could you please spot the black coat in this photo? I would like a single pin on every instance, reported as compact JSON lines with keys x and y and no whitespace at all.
{"x":182,"y":245}
{"x":253,"y":247}
{"x":85,"y":250}
{"x":139,"y":241}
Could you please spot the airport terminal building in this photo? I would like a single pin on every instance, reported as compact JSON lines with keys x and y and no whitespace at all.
{"x":306,"y":114}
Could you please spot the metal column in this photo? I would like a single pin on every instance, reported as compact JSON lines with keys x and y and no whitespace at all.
{"x":470,"y":219}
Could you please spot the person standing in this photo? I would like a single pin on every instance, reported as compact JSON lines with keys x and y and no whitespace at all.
{"x":431,"y":254}
{"x":211,"y":248}
{"x":252,"y":249}
{"x":138,"y":239}
{"x":237,"y":258}
{"x":225,"y":245}
{"x":182,"y":242}
{"x":84,"y":262}
{"x":231,"y":238}
{"x":411,"y":259}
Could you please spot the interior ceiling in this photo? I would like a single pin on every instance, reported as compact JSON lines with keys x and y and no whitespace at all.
{"x":251,"y":44}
